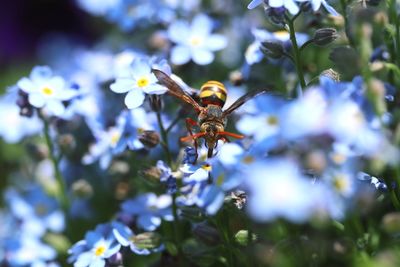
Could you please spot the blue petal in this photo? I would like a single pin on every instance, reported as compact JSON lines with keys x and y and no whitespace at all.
{"x":122,"y":85}
{"x":201,"y":25}
{"x":180,"y":55}
{"x":202,"y":56}
{"x":134,"y":98}
{"x":254,"y":4}
{"x":178,"y":31}
{"x":216,"y":42}
{"x":40,"y":73}
{"x":330,"y":9}
{"x":36,"y":100}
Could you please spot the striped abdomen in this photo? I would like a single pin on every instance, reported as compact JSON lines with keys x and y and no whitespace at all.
{"x":214,"y":93}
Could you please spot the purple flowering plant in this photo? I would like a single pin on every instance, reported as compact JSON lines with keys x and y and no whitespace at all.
{"x":106,"y":162}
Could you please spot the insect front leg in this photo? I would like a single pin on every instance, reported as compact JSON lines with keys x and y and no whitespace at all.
{"x":190,"y":123}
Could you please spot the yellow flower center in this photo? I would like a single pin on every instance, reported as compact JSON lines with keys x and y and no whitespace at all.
{"x":272,"y":120}
{"x":41,"y":209}
{"x":340,"y":183}
{"x":196,"y":41}
{"x":115,"y":136}
{"x":248,"y":160}
{"x":143,"y":82}
{"x":206,"y":167}
{"x":100,"y":250}
{"x":47,"y":91}
{"x":282,"y":34}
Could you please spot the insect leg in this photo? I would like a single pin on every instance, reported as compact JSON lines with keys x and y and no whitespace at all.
{"x":238,"y":136}
{"x":190,"y":123}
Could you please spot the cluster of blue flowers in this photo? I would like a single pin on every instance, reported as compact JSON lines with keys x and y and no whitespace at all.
{"x":310,"y":154}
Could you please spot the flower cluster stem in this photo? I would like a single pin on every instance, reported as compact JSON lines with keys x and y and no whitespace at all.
{"x":296,"y":51}
{"x":62,"y":188}
{"x":164,"y":138}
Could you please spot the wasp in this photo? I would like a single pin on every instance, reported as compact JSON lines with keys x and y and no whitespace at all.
{"x":212,"y":119}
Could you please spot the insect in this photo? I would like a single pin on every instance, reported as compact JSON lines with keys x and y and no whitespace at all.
{"x":211,"y":118}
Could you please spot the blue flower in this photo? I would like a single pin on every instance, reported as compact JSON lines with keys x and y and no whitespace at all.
{"x":254,"y":54}
{"x":291,"y":6}
{"x":46,"y":91}
{"x":97,"y":246}
{"x":316,"y":4}
{"x":28,"y":251}
{"x":206,"y":184}
{"x":115,"y":139}
{"x":149,"y":209}
{"x":136,"y":81}
{"x":21,"y":126}
{"x":278,"y":190}
{"x":194,"y":41}
{"x":37,"y":211}
{"x":264,"y":122}
{"x":288,"y":4}
{"x":126,"y":237}
{"x":167,"y":177}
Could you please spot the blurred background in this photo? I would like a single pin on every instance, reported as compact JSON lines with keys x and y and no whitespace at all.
{"x":25,"y":26}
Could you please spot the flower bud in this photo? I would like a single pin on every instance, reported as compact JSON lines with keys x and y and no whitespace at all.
{"x":330,"y":73}
{"x":156,"y":103}
{"x":37,"y":151}
{"x":67,"y":143}
{"x":206,"y":234}
{"x":152,"y":174}
{"x":147,"y":240}
{"x":373,"y":2}
{"x":238,"y":198}
{"x":242,"y":237}
{"x":272,"y":49}
{"x":116,"y":260}
{"x":391,"y":222}
{"x":191,"y":213}
{"x":276,"y":15}
{"x":26,"y":109}
{"x":149,"y":138}
{"x":305,"y":7}
{"x":236,"y":77}
{"x":82,"y":189}
{"x":325,"y":36}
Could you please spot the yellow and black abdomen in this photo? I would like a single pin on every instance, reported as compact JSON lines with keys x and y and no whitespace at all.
{"x":214,"y":93}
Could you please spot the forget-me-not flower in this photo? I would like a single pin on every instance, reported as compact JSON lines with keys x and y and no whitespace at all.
{"x":149,"y":209}
{"x":46,"y":90}
{"x":137,"y":81}
{"x":292,"y":7}
{"x":194,"y":41}
{"x":254,"y":54}
{"x":13,"y":126}
{"x":126,"y":237}
{"x":97,"y":246}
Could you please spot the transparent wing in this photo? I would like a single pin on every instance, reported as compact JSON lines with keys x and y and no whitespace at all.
{"x":174,"y":89}
{"x":242,"y":100}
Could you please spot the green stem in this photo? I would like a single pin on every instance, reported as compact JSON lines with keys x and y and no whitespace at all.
{"x":222,"y":223}
{"x":394,"y":19}
{"x":164,"y":138}
{"x":62,"y":188}
{"x":296,"y":51}
{"x":343,"y":4}
{"x":164,"y":143}
{"x":306,"y":44}
{"x":173,"y":123}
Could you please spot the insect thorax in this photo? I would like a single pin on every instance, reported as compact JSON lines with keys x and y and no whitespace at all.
{"x":212,"y":113}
